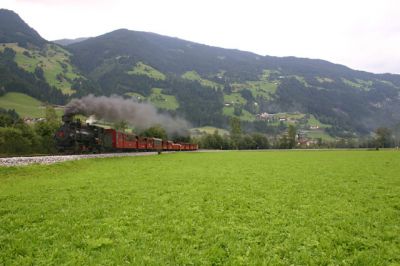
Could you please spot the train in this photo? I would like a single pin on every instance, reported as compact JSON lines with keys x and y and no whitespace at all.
{"x":76,"y":137}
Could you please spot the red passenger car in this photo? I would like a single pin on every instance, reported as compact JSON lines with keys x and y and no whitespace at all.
{"x":114,"y":140}
{"x":130,"y":142}
{"x":170,"y":145}
{"x":158,"y":144}
{"x":142,"y":143}
{"x":149,"y":144}
{"x":164,"y":145}
{"x":176,"y":147}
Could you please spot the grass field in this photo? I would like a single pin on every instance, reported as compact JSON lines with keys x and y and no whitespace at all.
{"x":235,"y":208}
{"x":24,"y":105}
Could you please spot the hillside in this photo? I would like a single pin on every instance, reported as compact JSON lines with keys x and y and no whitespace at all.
{"x":29,"y":64}
{"x":244,"y":84}
{"x":14,"y":30}
{"x":206,"y":85}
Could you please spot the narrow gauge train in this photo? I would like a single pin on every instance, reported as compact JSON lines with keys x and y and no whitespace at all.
{"x":75,"y":137}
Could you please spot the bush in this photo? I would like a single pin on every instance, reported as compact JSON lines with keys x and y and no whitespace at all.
{"x":13,"y":141}
{"x":238,"y":141}
{"x":45,"y":134}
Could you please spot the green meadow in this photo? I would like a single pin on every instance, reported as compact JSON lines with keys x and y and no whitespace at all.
{"x":234,"y":208}
{"x":25,"y":105}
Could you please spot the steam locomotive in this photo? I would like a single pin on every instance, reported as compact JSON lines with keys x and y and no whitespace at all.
{"x":75,"y":137}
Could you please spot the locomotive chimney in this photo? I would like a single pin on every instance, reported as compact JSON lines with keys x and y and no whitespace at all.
{"x":67,"y":118}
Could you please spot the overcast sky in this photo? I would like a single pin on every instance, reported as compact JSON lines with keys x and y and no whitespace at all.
{"x":362,"y":34}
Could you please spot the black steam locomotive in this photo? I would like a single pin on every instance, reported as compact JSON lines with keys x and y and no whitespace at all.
{"x":73,"y":136}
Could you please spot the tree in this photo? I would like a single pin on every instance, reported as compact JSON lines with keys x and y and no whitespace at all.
{"x":155,"y":132}
{"x":8,"y":118}
{"x":396,"y":133}
{"x":45,"y":131}
{"x":51,"y":115}
{"x":260,"y":140}
{"x":121,"y":125}
{"x":283,"y":142}
{"x":247,"y":142}
{"x":181,"y":138}
{"x":39,"y":73}
{"x":227,"y":88}
{"x":12,"y":141}
{"x":235,"y":126}
{"x":383,"y":137}
{"x":237,"y":109}
{"x":291,"y":138}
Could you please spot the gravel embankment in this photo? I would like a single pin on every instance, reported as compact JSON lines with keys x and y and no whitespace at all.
{"x":17,"y":161}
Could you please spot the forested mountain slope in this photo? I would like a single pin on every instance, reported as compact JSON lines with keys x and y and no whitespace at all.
{"x":206,"y":85}
{"x":245,"y":83}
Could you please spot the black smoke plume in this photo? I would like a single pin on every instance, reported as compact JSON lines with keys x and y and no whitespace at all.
{"x":115,"y":109}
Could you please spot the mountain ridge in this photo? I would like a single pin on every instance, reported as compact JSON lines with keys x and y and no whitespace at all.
{"x":66,"y":42}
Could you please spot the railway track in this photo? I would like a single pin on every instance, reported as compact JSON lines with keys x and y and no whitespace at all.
{"x":49,"y":159}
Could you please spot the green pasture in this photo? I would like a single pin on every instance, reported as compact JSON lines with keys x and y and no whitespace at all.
{"x":146,"y":70}
{"x":198,"y":131}
{"x":246,"y":115}
{"x":324,"y":79}
{"x":234,"y":98}
{"x":359,"y":84}
{"x":158,"y":99}
{"x":261,"y":88}
{"x":301,"y":80}
{"x":193,"y":75}
{"x":319,"y":134}
{"x":312,"y":121}
{"x":24,"y":105}
{"x":164,"y":101}
{"x":234,"y":208}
